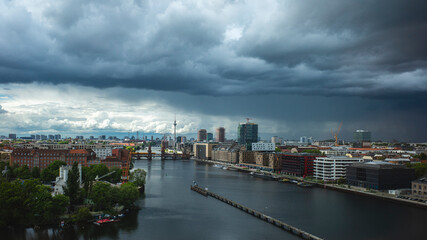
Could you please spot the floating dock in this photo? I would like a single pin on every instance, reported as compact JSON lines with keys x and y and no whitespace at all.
{"x":275,"y":222}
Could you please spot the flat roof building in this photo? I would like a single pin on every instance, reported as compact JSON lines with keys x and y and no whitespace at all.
{"x":220,"y":134}
{"x":332,"y":168}
{"x":202,"y":135}
{"x":380,"y":175}
{"x":297,"y":164}
{"x":247,"y":133}
{"x":419,"y":188}
{"x":203,"y":150}
{"x":361,"y":136}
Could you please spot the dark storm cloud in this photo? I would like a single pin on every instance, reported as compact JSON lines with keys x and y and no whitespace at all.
{"x":303,"y":47}
{"x":363,"y":62}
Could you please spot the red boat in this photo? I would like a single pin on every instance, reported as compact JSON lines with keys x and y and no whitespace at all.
{"x":106,"y":220}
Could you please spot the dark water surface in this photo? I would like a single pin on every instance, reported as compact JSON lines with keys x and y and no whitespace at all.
{"x":171,"y":210}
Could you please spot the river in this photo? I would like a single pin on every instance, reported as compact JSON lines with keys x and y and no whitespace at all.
{"x":170,"y":210}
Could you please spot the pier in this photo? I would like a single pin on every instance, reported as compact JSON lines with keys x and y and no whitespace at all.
{"x":262,"y":216}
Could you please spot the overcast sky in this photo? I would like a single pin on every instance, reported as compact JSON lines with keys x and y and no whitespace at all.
{"x":297,"y":68}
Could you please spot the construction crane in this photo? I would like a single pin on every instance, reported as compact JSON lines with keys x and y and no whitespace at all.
{"x":125,"y":169}
{"x":108,"y":174}
{"x":336,"y":134}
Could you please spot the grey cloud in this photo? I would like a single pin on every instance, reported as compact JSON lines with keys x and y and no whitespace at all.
{"x":2,"y":110}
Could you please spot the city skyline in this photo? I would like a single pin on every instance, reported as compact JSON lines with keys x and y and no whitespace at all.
{"x":94,"y":68}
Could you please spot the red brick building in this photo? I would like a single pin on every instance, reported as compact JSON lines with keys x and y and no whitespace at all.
{"x":297,"y":164}
{"x":119,"y":158}
{"x":43,"y":157}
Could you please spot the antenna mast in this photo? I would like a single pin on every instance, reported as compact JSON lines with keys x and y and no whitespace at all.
{"x":174,"y":133}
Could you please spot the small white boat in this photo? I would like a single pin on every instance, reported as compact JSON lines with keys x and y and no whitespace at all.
{"x":218,"y":166}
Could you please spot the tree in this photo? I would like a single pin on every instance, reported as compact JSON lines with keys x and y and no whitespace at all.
{"x":421,"y":156}
{"x":13,"y":210}
{"x":83,"y":214}
{"x":138,"y":177}
{"x":35,"y":172}
{"x":341,"y":180}
{"x":128,"y":194}
{"x":97,"y":170}
{"x":48,"y":175}
{"x":101,"y":195}
{"x":73,"y":184}
{"x":59,"y":205}
{"x":116,"y":176}
{"x":420,"y":169}
{"x":52,"y":171}
{"x":28,"y":202}
{"x":22,"y":172}
{"x":130,"y":148}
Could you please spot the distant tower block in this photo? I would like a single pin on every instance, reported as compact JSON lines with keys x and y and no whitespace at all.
{"x":220,"y":134}
{"x":202,"y":135}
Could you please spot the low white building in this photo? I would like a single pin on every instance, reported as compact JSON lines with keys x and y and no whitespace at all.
{"x":103,"y":152}
{"x":332,"y":168}
{"x":263,"y":146}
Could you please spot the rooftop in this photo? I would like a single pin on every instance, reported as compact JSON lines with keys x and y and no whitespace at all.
{"x":421,"y":180}
{"x":379,"y":165}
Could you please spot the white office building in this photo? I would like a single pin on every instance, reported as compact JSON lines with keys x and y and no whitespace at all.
{"x":103,"y":152}
{"x":263,"y":146}
{"x":332,"y":168}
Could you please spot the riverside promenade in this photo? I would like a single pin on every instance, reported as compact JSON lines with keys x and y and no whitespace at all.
{"x":335,"y":187}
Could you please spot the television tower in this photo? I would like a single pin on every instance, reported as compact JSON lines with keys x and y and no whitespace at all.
{"x":174,"y":133}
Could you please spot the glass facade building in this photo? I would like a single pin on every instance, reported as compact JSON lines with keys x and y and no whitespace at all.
{"x":361,"y":136}
{"x":247,"y":133}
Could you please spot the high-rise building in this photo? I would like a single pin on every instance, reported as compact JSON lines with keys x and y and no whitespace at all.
{"x":247,"y":133}
{"x":274,"y":139}
{"x":361,"y":136}
{"x":220,"y":134}
{"x":210,"y":137}
{"x":202,"y":135}
{"x":184,"y":139}
{"x":51,"y":137}
{"x":303,"y":139}
{"x":12,"y":136}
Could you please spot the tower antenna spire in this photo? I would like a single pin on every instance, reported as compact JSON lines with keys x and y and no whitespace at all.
{"x":174,"y":133}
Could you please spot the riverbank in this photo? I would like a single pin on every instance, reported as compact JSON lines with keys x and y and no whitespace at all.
{"x":334,"y":187}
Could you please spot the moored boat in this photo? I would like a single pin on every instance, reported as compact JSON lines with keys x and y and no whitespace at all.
{"x":304,"y":184}
{"x":107,"y":220}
